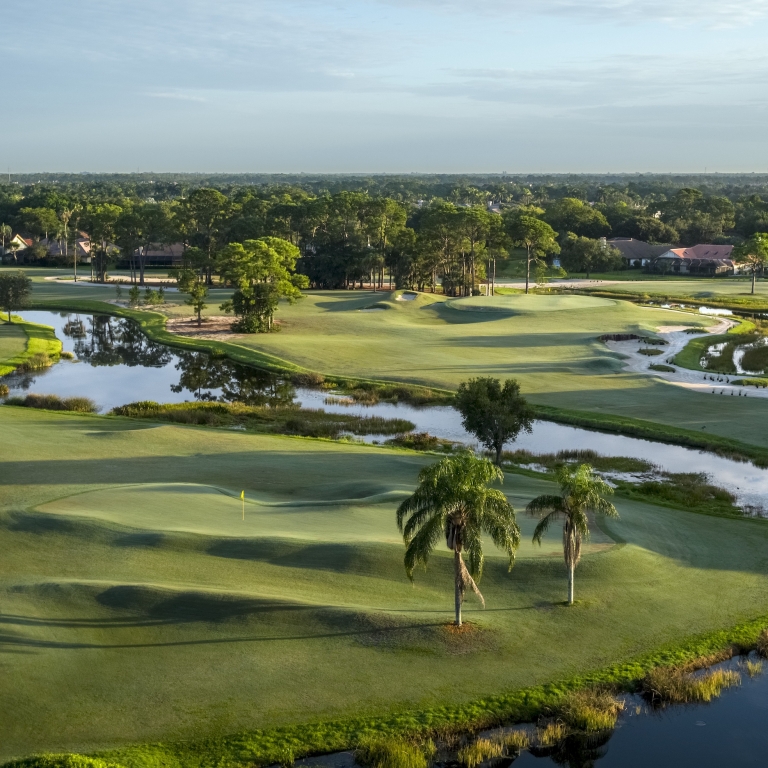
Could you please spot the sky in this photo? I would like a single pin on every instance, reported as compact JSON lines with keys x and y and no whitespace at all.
{"x":371,"y":86}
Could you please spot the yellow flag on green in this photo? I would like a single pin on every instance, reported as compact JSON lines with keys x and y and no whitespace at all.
{"x":242,"y":495}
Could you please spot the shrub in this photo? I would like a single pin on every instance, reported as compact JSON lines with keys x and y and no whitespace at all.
{"x":650,"y":352}
{"x":589,"y":710}
{"x":393,"y":752}
{"x":55,"y":403}
{"x":677,"y":685}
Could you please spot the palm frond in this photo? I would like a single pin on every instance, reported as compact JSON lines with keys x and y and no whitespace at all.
{"x":543,"y":526}
{"x":421,"y":545}
{"x":545,"y":503}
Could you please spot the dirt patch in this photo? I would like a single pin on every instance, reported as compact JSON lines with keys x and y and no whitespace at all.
{"x":215,"y":327}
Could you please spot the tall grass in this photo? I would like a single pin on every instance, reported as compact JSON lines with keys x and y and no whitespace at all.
{"x":288,"y":420}
{"x":37,"y":362}
{"x":679,"y":685}
{"x":55,"y":403}
{"x":393,"y":752}
{"x":589,"y":710}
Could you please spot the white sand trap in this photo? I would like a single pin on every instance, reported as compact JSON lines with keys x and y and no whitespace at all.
{"x":407,"y":296}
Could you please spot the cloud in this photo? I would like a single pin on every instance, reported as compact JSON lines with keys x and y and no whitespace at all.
{"x":724,"y":13}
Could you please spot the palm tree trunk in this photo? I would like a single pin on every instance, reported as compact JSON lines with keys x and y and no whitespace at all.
{"x":754,"y":275}
{"x":457,"y":585}
{"x":570,"y":586}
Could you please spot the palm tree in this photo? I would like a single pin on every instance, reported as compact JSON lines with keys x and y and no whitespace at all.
{"x":581,"y":491}
{"x":453,"y":500}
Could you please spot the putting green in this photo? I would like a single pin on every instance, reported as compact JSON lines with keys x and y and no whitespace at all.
{"x":201,"y":509}
{"x":530,"y":304}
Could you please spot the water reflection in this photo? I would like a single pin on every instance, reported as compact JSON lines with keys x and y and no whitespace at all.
{"x":123,"y":365}
{"x":102,"y":340}
{"x":578,"y":750}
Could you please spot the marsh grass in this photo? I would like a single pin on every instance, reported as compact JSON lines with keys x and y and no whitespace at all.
{"x":761,"y":645}
{"x":686,"y":490}
{"x":281,"y":420}
{"x":479,"y":751}
{"x":55,"y":403}
{"x":601,"y":463}
{"x":679,"y":685}
{"x":753,"y":668}
{"x":37,"y":362}
{"x":551,"y":733}
{"x":649,"y":352}
{"x":4,"y":390}
{"x":755,"y":359}
{"x":662,"y":368}
{"x":589,"y":710}
{"x":66,"y":355}
{"x":421,"y":441}
{"x":393,"y":752}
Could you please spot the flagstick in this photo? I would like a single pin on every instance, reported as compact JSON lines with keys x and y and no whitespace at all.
{"x":243,"y":500}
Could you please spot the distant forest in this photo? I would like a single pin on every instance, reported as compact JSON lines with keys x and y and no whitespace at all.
{"x":415,"y":229}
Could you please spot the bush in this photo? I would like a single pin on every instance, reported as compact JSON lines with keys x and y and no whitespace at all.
{"x":393,"y":752}
{"x":55,"y":403}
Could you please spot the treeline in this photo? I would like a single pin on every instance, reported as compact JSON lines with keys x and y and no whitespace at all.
{"x":406,"y":231}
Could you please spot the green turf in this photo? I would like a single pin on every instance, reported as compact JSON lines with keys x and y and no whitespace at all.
{"x":21,"y":340}
{"x":13,"y":342}
{"x":138,"y":606}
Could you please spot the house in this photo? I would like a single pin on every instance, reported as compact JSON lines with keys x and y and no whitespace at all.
{"x":636,"y":253}
{"x":160,"y":255}
{"x":700,"y":259}
{"x":57,"y":248}
{"x":15,"y":246}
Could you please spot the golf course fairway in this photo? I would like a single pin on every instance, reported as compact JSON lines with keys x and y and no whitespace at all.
{"x":138,"y":606}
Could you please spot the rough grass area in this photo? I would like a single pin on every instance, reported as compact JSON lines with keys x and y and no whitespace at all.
{"x":691,"y":491}
{"x":695,"y":356}
{"x":759,"y":383}
{"x":27,"y":347}
{"x":285,"y":421}
{"x":55,"y":403}
{"x":755,"y":359}
{"x":551,"y":461}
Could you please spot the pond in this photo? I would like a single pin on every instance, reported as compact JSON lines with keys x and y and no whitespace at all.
{"x":117,"y":364}
{"x":729,"y":731}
